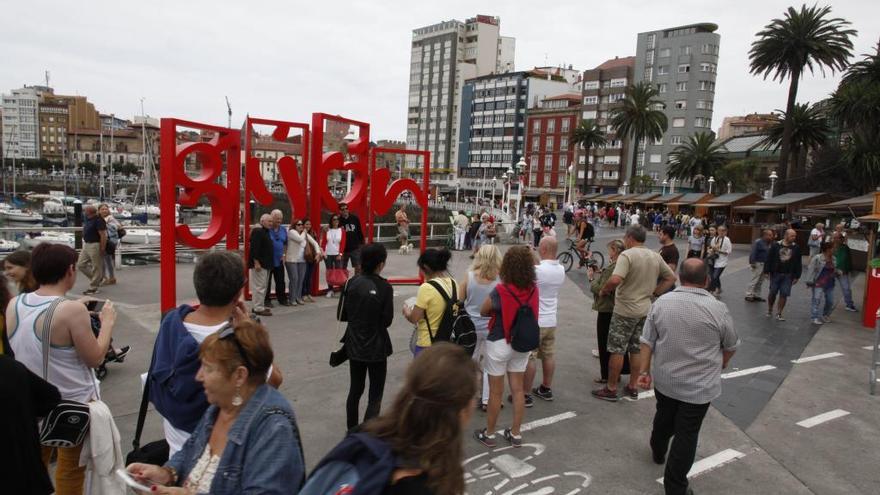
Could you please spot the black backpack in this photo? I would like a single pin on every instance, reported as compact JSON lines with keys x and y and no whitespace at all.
{"x":455,"y":325}
{"x":525,"y":335}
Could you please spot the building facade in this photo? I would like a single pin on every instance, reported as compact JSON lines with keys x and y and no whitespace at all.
{"x":746,"y":124}
{"x":493,"y":114}
{"x":549,"y":150}
{"x":682,"y":62}
{"x":21,"y":123}
{"x":603,"y":89}
{"x":442,"y":57}
{"x":124,"y":147}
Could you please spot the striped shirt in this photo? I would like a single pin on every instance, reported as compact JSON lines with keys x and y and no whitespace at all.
{"x":687,"y":330}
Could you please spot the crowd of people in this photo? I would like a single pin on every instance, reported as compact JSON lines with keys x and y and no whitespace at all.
{"x":213,"y":378}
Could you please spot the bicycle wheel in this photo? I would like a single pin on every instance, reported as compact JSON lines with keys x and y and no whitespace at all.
{"x":566,"y":260}
{"x":599,"y":258}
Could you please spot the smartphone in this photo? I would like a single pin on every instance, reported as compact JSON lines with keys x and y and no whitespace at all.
{"x":127,"y":478}
{"x":95,"y":306}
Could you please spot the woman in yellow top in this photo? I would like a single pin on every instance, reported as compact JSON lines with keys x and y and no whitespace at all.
{"x":430,"y":305}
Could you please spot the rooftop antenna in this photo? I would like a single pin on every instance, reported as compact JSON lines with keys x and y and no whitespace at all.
{"x":47,"y":79}
{"x":229,"y":111}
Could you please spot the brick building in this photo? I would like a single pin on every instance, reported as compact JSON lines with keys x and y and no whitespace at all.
{"x":548,"y":149}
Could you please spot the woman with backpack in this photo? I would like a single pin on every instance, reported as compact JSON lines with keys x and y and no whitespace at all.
{"x":367,"y":305}
{"x":481,"y":278}
{"x":513,"y":333}
{"x":427,"y":313}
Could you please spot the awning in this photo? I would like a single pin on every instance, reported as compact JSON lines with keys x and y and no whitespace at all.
{"x":757,"y":207}
{"x":690,"y":198}
{"x":606,"y":197}
{"x":663,"y":199}
{"x":589,"y":196}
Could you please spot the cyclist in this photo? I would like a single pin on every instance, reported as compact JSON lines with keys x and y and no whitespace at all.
{"x":585,"y":235}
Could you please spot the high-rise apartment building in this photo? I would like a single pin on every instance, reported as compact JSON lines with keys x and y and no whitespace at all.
{"x":603,"y":89}
{"x":443,"y":56}
{"x":682,"y":62}
{"x":493,"y":114}
{"x":21,"y":123}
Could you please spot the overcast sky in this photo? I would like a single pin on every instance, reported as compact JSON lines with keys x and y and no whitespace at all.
{"x":286,"y":59}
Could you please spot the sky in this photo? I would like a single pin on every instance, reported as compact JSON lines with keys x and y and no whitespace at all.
{"x":287,"y":59}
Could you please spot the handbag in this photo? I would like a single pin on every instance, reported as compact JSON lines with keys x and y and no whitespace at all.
{"x":309,"y":252}
{"x":336,"y":277}
{"x":67,"y":423}
{"x":340,"y":356}
{"x":157,"y":452}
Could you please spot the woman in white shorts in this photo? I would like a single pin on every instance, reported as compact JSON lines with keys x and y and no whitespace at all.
{"x":517,"y":287}
{"x":481,"y":278}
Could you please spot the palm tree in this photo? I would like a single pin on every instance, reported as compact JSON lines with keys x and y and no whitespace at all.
{"x":639,"y":116}
{"x":804,"y":39}
{"x":588,"y":135}
{"x":856,"y":102}
{"x":808,"y":130}
{"x":700,"y":155}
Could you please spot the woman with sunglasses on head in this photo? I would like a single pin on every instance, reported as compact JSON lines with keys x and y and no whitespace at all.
{"x":295,"y":260}
{"x":247,"y":440}
{"x":313,"y":255}
{"x":333,"y":244}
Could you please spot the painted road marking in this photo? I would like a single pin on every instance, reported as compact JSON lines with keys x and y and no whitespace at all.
{"x":531,"y":425}
{"x":822,"y":418}
{"x":647,"y":394}
{"x":747,"y":371}
{"x":816,"y":357}
{"x":868,"y":348}
{"x":712,"y":462}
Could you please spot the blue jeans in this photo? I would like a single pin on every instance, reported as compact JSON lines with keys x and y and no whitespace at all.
{"x":846,"y":288}
{"x":820,"y":293}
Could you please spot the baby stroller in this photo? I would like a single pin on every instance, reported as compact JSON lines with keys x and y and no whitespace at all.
{"x":113,"y":355}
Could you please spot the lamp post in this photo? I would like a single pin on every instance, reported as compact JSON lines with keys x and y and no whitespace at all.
{"x":517,"y":175}
{"x":665,"y":183}
{"x":457,"y":184}
{"x":672,"y":185}
{"x":494,"y":184}
{"x":729,"y":187}
{"x":711,"y":182}
{"x":773,"y":178}
{"x":505,"y":190}
{"x":569,"y":184}
{"x":625,"y":185}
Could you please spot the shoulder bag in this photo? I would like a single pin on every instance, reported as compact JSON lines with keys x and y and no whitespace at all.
{"x":340,"y":356}
{"x":67,"y":424}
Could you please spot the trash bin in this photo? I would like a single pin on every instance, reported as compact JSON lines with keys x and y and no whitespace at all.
{"x":872,"y":293}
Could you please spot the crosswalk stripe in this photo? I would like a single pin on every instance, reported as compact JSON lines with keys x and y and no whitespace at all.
{"x":712,"y":462}
{"x":747,"y":371}
{"x":816,"y":357}
{"x":822,"y":418}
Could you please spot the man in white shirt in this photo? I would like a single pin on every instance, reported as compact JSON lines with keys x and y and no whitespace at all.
{"x":634,"y":218}
{"x":550,"y":277}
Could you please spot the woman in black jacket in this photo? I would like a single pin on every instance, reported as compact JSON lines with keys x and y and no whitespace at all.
{"x":368,"y":307}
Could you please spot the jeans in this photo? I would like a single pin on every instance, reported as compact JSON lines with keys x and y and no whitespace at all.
{"x":358,"y":371}
{"x":536,"y":236}
{"x":109,"y":266}
{"x":280,"y":293}
{"x":459,"y":238}
{"x":846,"y":288}
{"x":754,"y":287}
{"x":296,"y":274}
{"x":603,"y":324}
{"x":69,"y":476}
{"x":681,"y":420}
{"x":820,"y":294}
{"x":307,"y":279}
{"x":715,"y":283}
{"x":91,"y":263}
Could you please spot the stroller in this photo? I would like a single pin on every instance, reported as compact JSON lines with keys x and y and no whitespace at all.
{"x":113,"y":355}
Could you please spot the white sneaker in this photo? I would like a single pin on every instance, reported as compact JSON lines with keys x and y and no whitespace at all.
{"x":852,"y":309}
{"x":779,"y":317}
{"x":595,"y":353}
{"x":329,"y":294}
{"x":817,"y":321}
{"x":826,"y":319}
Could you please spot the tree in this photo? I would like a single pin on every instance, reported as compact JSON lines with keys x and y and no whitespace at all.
{"x":807,"y":128}
{"x":741,"y":173}
{"x":804,"y":39}
{"x":588,"y":135}
{"x":641,"y":184}
{"x":700,"y":155}
{"x":639,"y":116}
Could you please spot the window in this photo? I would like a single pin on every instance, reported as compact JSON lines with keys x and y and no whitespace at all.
{"x":618,"y":83}
{"x":707,"y":86}
{"x":663,"y":70}
{"x":707,"y":67}
{"x":664,"y":52}
{"x":591,"y":84}
{"x":591,"y":114}
{"x":685,"y":50}
{"x":709,"y":49}
{"x":535,"y":142}
{"x":536,"y":126}
{"x":548,"y":144}
{"x":654,"y":158}
{"x":658,"y":141}
{"x":662,"y":87}
{"x":704,"y":104}
{"x":678,"y":122}
{"x":563,"y":162}
{"x":675,"y":140}
{"x":591,"y":100}
{"x":683,"y":68}
{"x":681,"y":86}
{"x":566,"y":123}
{"x":548,"y":162}
{"x":651,"y":39}
{"x":616,"y":97}
{"x":551,"y":125}
{"x":702,"y":122}
{"x":563,"y":143}
{"x":649,"y":57}
{"x":681,"y":104}
{"x":649,"y":74}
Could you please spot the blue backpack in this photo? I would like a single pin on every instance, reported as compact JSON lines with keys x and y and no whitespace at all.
{"x":360,"y":465}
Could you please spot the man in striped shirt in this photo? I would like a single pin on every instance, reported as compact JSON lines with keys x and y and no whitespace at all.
{"x":691,"y":337}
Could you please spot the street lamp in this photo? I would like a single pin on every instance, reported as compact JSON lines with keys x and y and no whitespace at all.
{"x":494,"y":185}
{"x":625,"y":185}
{"x":457,"y":184}
{"x":672,"y":185}
{"x":665,"y":183}
{"x":773,"y":178}
{"x":505,"y":190}
{"x":569,"y":185}
{"x":729,"y":187}
{"x":711,"y":182}
{"x":518,"y":175}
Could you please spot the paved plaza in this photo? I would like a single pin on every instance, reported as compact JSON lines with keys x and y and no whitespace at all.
{"x":770,"y":431}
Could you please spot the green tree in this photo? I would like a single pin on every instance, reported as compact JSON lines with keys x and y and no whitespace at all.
{"x":804,"y":39}
{"x":807,"y":128}
{"x":639,"y":116}
{"x":699,"y":156}
{"x":641,"y":184}
{"x":588,"y":135}
{"x":856,"y":102}
{"x":740,"y":173}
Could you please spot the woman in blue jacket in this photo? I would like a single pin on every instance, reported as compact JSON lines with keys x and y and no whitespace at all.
{"x":248,"y":438}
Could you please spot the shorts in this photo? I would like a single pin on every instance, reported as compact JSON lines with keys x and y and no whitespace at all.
{"x":780,"y":283}
{"x":624,"y":334}
{"x":501,"y":359}
{"x":545,"y":348}
{"x":354,"y":256}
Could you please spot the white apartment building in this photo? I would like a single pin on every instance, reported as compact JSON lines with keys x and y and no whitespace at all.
{"x":443,"y":56}
{"x":20,"y":123}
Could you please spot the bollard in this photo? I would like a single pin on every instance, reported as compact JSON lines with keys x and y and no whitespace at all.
{"x":77,"y":222}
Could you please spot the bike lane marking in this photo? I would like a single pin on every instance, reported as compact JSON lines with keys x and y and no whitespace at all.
{"x":531,"y":425}
{"x":822,"y":418}
{"x":714,"y":461}
{"x":747,"y":371}
{"x":816,"y":357}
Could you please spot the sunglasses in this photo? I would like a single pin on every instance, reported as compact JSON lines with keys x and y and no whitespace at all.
{"x":298,"y":225}
{"x":228,"y":332}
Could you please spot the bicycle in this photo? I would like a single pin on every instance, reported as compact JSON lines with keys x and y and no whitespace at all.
{"x":566,"y":258}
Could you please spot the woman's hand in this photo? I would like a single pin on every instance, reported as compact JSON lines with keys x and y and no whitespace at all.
{"x":107,"y":314}
{"x":149,"y":473}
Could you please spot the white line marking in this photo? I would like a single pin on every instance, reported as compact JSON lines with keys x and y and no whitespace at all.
{"x":712,"y":462}
{"x":574,"y":492}
{"x":499,"y":485}
{"x":647,"y":394}
{"x":747,"y":371}
{"x":868,"y":348}
{"x":822,"y":418}
{"x":586,"y":476}
{"x":545,"y":478}
{"x":816,"y":357}
{"x":531,"y":425}
{"x":490,"y":476}
{"x":520,"y":487}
